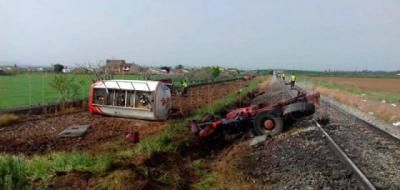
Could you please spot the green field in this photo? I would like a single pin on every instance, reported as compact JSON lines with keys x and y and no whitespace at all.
{"x":33,"y":88}
{"x":27,"y":89}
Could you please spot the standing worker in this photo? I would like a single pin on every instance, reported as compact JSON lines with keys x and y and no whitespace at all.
{"x":185,"y":86}
{"x":283,"y":76}
{"x":292,"y":81}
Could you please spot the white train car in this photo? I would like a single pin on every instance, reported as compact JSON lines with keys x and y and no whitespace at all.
{"x":149,"y":100}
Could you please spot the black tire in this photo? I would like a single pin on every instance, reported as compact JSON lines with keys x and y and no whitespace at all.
{"x":299,"y":110}
{"x":259,"y":124}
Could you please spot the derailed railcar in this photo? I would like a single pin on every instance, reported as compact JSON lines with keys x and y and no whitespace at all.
{"x":150,"y":100}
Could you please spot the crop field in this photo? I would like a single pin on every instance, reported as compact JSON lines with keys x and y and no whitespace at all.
{"x":27,"y":89}
{"x":377,"y":96}
{"x":375,"y":88}
{"x":388,"y":85}
{"x":33,"y":88}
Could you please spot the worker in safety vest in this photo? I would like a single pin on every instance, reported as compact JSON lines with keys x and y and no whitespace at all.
{"x":292,"y":80}
{"x":185,"y":86}
{"x":283,"y":76}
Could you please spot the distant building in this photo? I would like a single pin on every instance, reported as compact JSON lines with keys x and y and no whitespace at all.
{"x":11,"y":69}
{"x":115,"y":65}
{"x":118,"y":66}
{"x":181,"y":71}
{"x":156,"y":71}
{"x":66,"y":70}
{"x":80,"y":70}
{"x":233,"y":71}
{"x":166,"y":69}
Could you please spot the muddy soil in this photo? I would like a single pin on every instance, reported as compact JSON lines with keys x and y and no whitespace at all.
{"x":201,"y":95}
{"x":40,"y":135}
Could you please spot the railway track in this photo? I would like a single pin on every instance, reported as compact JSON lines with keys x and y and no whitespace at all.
{"x":372,"y":155}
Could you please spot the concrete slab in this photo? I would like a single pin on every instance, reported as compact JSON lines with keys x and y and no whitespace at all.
{"x":74,"y":131}
{"x":258,"y":140}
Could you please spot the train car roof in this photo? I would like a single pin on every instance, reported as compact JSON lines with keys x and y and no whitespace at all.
{"x":140,"y":85}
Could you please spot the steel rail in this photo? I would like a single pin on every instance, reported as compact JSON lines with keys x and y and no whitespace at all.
{"x":345,"y":159}
{"x":367,"y":184}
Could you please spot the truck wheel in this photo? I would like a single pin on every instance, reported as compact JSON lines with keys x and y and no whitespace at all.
{"x":299,"y":110}
{"x":266,"y":123}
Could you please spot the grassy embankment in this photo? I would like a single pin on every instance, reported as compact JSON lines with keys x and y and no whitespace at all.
{"x":18,"y":171}
{"x":365,"y":100}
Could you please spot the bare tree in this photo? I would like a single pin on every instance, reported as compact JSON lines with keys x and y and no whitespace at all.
{"x":66,"y":87}
{"x":97,"y":71}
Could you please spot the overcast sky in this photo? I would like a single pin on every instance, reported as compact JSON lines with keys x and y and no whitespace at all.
{"x":255,"y":34}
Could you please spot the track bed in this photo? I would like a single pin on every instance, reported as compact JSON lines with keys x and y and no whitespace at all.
{"x":373,"y":151}
{"x":297,"y":159}
{"x":376,"y":154}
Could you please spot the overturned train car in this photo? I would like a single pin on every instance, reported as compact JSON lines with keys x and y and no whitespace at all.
{"x":149,"y":100}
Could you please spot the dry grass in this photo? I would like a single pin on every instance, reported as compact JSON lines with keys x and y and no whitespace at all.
{"x":7,"y":119}
{"x":264,"y":85}
{"x":383,"y":111}
{"x":365,"y":83}
{"x":229,"y":175}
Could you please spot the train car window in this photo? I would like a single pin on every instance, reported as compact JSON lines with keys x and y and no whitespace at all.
{"x":144,"y":100}
{"x":99,"y":96}
{"x":120,"y":98}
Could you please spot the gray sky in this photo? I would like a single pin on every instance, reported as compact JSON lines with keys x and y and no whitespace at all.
{"x":300,"y":34}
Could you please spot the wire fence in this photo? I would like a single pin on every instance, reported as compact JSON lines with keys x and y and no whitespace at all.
{"x":30,"y":89}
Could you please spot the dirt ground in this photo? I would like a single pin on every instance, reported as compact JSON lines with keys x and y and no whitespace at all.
{"x":201,"y":95}
{"x":371,"y":84}
{"x":40,"y":134}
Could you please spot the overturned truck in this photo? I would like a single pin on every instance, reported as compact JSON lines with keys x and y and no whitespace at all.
{"x":150,"y":100}
{"x":263,"y":119}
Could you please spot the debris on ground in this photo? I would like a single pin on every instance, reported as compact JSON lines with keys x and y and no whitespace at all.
{"x":74,"y":131}
{"x":258,"y":140}
{"x":132,"y":137}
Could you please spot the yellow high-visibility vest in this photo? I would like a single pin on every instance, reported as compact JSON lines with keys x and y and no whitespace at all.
{"x":293,"y":78}
{"x":185,"y":84}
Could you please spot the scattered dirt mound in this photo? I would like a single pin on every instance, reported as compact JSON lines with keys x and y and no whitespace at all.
{"x":40,"y":135}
